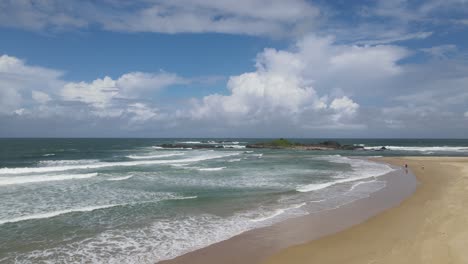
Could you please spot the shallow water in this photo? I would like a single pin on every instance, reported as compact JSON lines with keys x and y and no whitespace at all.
{"x":129,"y":201}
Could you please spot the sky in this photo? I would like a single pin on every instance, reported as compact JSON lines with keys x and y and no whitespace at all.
{"x":244,"y":68}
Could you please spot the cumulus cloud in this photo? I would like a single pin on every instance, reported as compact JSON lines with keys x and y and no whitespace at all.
{"x":40,"y":97}
{"x":318,"y":86}
{"x":101,"y":93}
{"x":42,"y":92}
{"x":284,"y":84}
{"x":18,"y":79}
{"x":141,"y":112}
{"x":98,"y":93}
{"x":344,"y":107}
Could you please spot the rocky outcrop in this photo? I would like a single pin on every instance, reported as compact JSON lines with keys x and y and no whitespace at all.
{"x":275,"y":144}
{"x":325,"y":145}
{"x":194,"y":146}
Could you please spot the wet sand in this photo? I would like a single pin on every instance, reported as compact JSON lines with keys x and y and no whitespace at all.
{"x":257,"y":245}
{"x":429,"y":227}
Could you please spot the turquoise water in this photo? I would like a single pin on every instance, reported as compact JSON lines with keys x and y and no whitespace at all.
{"x":129,"y":201}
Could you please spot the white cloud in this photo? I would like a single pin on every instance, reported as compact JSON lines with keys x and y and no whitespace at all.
{"x":285,"y":84}
{"x":441,"y":51}
{"x":20,"y":111}
{"x":344,"y":107}
{"x":252,"y":17}
{"x":40,"y":97}
{"x":315,"y":86}
{"x":133,"y":83}
{"x":17,"y":80}
{"x":406,"y":11}
{"x":39,"y":14}
{"x":141,"y":112}
{"x":466,"y":114}
{"x":386,"y":37}
{"x":41,"y":92}
{"x":100,"y":93}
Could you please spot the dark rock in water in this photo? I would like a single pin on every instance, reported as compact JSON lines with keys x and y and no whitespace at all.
{"x":383,"y":148}
{"x":330,"y":143}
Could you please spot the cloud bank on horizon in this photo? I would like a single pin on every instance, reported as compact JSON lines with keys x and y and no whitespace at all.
{"x":374,"y":69}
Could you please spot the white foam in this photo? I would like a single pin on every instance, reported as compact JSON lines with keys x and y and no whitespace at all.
{"x":154,"y":156}
{"x":208,"y":156}
{"x":120,"y":178}
{"x":190,"y":142}
{"x":211,"y":169}
{"x":362,"y":169}
{"x":317,"y":186}
{"x":277,"y":213}
{"x":234,"y":146}
{"x":364,"y":182}
{"x":423,"y":149}
{"x":185,"y":198}
{"x":174,"y":148}
{"x":56,"y":213}
{"x":48,"y":154}
{"x":43,"y":178}
{"x":180,"y":165}
{"x":67,"y":162}
{"x":318,"y":201}
{"x":161,"y":240}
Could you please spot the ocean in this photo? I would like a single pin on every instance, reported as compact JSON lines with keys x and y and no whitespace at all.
{"x":131,"y":201}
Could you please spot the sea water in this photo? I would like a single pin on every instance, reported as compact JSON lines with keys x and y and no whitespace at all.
{"x":131,"y":201}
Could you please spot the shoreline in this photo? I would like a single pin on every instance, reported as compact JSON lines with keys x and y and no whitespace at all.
{"x":256,"y":245}
{"x":429,"y":227}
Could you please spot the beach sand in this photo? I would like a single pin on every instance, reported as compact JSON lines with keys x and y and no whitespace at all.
{"x":431,"y":226}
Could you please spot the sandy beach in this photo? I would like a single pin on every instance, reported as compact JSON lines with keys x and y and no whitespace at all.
{"x":428,"y":227}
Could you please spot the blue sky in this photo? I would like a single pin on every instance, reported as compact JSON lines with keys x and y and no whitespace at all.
{"x":255,"y":68}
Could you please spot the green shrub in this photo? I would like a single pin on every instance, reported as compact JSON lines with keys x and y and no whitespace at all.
{"x":282,"y":143}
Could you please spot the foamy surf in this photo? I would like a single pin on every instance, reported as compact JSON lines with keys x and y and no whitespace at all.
{"x":114,"y":164}
{"x":185,"y":198}
{"x":56,"y":213}
{"x":361,"y":183}
{"x":43,"y":178}
{"x":154,"y":156}
{"x":362,"y":169}
{"x":277,"y":213}
{"x":429,"y":150}
{"x":211,"y":169}
{"x":52,"y":163}
{"x":120,"y":178}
